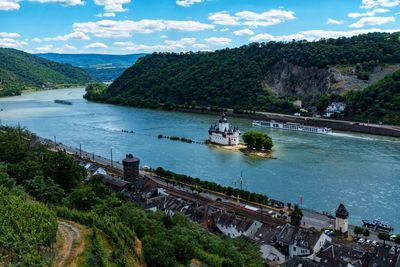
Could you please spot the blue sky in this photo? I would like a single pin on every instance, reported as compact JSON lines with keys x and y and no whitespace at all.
{"x":133,"y":26}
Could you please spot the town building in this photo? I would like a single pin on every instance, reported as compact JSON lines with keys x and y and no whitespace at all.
{"x":342,"y":219}
{"x":93,"y":169}
{"x":235,"y":226}
{"x":222,"y":134}
{"x":335,"y":108}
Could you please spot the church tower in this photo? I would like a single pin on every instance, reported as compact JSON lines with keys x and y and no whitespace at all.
{"x":342,"y":219}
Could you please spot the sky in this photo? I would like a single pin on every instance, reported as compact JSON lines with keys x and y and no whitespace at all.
{"x":136,"y":26}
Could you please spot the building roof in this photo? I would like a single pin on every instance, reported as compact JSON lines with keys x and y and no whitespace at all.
{"x":115,"y":181}
{"x":130,"y":158}
{"x":340,"y":255}
{"x":266,"y":234}
{"x":300,"y":262}
{"x":342,"y":212}
{"x":305,"y":238}
{"x":231,"y":220}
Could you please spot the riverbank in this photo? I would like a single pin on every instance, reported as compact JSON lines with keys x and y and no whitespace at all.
{"x":338,"y":125}
{"x":243,"y":149}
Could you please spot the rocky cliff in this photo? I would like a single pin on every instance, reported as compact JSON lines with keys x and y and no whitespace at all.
{"x":287,"y":79}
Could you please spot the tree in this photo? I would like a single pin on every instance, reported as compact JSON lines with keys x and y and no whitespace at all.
{"x":358,"y":231}
{"x":366,"y":232}
{"x":383,"y":236}
{"x":257,"y":140}
{"x":44,"y":189}
{"x":63,"y":170}
{"x":82,"y":198}
{"x":296,"y":215}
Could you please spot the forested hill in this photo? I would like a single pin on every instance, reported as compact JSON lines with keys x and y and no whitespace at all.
{"x":255,"y":75}
{"x":378,"y":103}
{"x":20,"y":70}
{"x":104,"y":68}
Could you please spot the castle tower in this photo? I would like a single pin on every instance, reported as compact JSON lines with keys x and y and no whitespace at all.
{"x":342,"y":219}
{"x":223,"y":124}
{"x":131,"y":168}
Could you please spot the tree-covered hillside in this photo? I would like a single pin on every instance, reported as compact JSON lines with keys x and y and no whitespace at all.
{"x":236,"y":78}
{"x":20,"y":70}
{"x":378,"y":103}
{"x":104,"y":68}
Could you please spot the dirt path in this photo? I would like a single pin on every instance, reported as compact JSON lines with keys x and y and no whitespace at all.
{"x":70,"y":243}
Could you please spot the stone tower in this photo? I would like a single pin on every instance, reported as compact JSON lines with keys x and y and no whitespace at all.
{"x":342,"y":219}
{"x":131,"y":168}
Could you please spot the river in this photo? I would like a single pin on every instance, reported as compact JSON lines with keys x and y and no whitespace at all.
{"x":361,"y":171}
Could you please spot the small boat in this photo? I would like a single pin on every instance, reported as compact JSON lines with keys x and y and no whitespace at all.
{"x":292,"y":127}
{"x":378,"y":225}
{"x":64,"y":102}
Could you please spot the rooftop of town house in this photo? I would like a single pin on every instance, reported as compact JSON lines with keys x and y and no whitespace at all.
{"x":115,"y":181}
{"x":339,"y":255}
{"x":300,"y":262}
{"x":266,"y":234}
{"x":305,"y":238}
{"x":240,"y":223}
{"x":383,"y":257}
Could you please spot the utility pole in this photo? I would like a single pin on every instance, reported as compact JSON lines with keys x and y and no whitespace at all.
{"x":55,"y":141}
{"x":80,"y":150}
{"x":241,"y":188}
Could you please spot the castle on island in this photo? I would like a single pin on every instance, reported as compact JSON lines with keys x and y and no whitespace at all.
{"x":222,"y":134}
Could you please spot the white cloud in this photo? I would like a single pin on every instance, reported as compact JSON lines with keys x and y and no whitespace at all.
{"x":9,"y":5}
{"x":9,"y":35}
{"x":218,"y":40}
{"x":187,"y":3}
{"x":68,"y":47}
{"x":61,"y":2}
{"x":313,"y":35}
{"x":372,"y":21}
{"x":96,"y":45}
{"x":10,"y":42}
{"x":126,"y":28}
{"x":223,"y":18}
{"x":243,"y":32}
{"x":168,"y":45}
{"x":45,"y":48}
{"x":334,"y":22}
{"x":369,"y":13}
{"x":252,"y":19}
{"x":367,"y":4}
{"x":200,"y":46}
{"x":66,"y":37}
{"x":224,"y":30}
{"x":112,"y":6}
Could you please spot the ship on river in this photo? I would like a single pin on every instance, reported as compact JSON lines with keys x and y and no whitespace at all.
{"x":64,"y":102}
{"x":292,"y":127}
{"x":378,"y":225}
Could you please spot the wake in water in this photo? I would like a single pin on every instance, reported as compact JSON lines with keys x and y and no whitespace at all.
{"x":367,"y":138}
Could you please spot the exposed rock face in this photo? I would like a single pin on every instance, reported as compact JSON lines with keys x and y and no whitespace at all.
{"x":287,"y":79}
